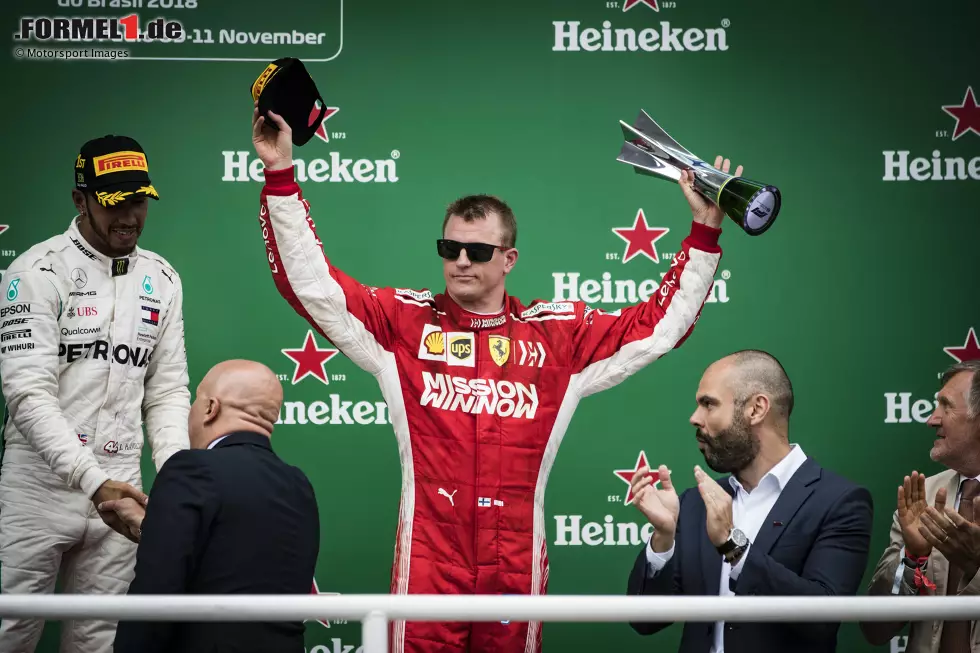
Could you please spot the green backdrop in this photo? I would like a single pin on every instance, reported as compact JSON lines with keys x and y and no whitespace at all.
{"x":863,"y":288}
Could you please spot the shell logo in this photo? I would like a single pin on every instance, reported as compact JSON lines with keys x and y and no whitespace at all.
{"x":435,"y":343}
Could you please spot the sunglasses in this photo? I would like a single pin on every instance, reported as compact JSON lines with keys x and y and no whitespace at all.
{"x":476,"y":252}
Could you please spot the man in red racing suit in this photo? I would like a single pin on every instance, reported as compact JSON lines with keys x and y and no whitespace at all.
{"x":479,"y":399}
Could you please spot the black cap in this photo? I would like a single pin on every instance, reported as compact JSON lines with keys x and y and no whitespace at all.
{"x":113,"y":168}
{"x":285,"y":87}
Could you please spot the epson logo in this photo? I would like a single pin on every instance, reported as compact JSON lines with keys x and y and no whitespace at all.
{"x":14,"y":309}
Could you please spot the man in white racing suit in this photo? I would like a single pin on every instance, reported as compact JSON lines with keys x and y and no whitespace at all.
{"x":91,"y":344}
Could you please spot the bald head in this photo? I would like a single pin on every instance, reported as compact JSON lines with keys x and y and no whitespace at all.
{"x":753,"y":372}
{"x":235,"y":395}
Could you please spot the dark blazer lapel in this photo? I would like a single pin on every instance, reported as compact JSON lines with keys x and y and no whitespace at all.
{"x":710,"y":558}
{"x":799,"y":488}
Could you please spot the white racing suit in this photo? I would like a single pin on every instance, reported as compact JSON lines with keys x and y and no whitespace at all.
{"x":89,"y":346}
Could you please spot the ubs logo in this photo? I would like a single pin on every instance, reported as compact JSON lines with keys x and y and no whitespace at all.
{"x":83,"y":311}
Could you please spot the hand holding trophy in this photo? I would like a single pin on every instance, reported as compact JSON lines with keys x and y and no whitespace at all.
{"x":651,"y":151}
{"x":703,"y":209}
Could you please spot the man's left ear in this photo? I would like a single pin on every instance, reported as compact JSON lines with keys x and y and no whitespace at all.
{"x":511,"y":260}
{"x":214,"y":407}
{"x":758,"y":409}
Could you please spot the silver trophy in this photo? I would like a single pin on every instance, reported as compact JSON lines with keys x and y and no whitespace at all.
{"x":651,"y":151}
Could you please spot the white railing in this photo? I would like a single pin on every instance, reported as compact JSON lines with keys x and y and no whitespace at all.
{"x":376,"y":610}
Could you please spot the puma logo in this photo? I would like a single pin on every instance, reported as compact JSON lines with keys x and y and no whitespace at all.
{"x":50,"y":269}
{"x":449,"y":496}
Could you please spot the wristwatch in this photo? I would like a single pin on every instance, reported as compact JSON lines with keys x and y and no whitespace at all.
{"x":735,"y":545}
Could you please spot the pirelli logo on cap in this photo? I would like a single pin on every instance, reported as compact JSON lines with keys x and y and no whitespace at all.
{"x":263,"y":79}
{"x":119,"y":162}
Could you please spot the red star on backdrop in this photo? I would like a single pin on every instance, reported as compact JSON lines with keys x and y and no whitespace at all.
{"x":627,"y":475}
{"x":970,"y":351}
{"x":321,"y":131}
{"x":640,"y":238}
{"x":967,"y":115}
{"x":629,"y":4}
{"x":310,"y":360}
{"x":316,"y":592}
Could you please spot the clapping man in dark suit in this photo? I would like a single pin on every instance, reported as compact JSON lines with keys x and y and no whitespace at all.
{"x":780,"y":525}
{"x":225,"y":517}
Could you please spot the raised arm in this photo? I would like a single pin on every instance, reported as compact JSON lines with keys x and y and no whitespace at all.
{"x":356,"y":318}
{"x":609,"y":347}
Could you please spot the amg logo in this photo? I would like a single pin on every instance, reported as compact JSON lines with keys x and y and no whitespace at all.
{"x":475,"y":396}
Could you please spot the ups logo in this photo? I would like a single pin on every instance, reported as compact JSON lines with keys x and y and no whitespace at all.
{"x":461,"y":348}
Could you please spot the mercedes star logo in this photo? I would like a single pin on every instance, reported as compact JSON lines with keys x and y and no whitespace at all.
{"x":79,"y":277}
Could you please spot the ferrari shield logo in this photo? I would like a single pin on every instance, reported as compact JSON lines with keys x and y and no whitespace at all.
{"x":499,"y":349}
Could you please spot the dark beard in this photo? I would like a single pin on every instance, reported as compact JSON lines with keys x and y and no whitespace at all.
{"x":733,"y":449}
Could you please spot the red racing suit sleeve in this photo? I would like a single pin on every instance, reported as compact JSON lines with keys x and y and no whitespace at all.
{"x":357,"y":319}
{"x":608,"y":347}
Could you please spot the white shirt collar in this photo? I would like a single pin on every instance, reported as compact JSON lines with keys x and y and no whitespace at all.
{"x":781,"y":472}
{"x":212,"y":445}
{"x":959,"y":482}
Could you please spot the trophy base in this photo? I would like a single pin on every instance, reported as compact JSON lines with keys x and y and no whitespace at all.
{"x":753,"y":206}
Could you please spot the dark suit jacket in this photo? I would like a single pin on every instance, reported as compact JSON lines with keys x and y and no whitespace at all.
{"x":814,"y":542}
{"x":234,"y":519}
